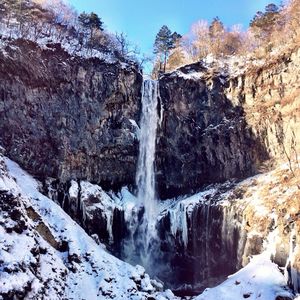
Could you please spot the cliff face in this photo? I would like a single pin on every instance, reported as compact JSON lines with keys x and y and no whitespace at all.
{"x":67,"y":117}
{"x":218,"y":125}
{"x":204,"y":138}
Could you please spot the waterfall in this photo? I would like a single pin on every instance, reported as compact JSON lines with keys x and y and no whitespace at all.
{"x":145,"y":176}
{"x":138,"y":248}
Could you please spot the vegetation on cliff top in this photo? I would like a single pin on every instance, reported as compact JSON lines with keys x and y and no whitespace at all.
{"x":274,"y":31}
{"x":55,"y":21}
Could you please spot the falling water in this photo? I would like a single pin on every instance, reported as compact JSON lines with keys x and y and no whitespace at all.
{"x":144,"y":231}
{"x":138,"y":248}
{"x":145,"y":176}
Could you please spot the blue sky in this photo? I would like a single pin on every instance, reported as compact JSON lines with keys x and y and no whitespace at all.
{"x":141,"y":19}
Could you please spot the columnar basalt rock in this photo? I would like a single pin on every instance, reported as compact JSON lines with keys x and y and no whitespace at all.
{"x":218,"y":124}
{"x":68,"y":117}
{"x":204,"y":138}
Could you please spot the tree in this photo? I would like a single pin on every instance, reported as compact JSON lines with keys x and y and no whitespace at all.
{"x":216,"y":33}
{"x":91,"y":22}
{"x":233,"y":40}
{"x":263,"y":23}
{"x":176,"y":58}
{"x":200,"y":40}
{"x":216,"y":28}
{"x":176,"y":37}
{"x":165,"y":41}
{"x":271,"y":8}
{"x":124,"y":46}
{"x":292,"y":15}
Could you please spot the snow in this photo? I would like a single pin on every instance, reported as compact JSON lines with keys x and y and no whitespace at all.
{"x":96,"y":273}
{"x":137,"y":132}
{"x":70,"y":45}
{"x":291,"y":260}
{"x":127,"y":201}
{"x":106,"y":204}
{"x":227,"y":66}
{"x":74,"y":189}
{"x":191,"y":76}
{"x":260,"y":279}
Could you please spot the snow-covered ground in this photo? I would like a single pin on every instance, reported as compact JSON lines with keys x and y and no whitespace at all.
{"x":82,"y":270}
{"x":260,"y":279}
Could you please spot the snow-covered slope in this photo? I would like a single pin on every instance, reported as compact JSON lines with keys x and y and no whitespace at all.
{"x":46,"y":255}
{"x":260,"y":279}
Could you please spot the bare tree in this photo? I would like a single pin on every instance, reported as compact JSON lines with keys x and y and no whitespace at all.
{"x":124,"y":46}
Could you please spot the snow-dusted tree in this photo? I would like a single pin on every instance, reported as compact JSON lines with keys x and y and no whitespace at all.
{"x":233,"y":40}
{"x":125,"y":47}
{"x":292,"y":14}
{"x":10,"y":8}
{"x":201,"y":39}
{"x":176,"y":58}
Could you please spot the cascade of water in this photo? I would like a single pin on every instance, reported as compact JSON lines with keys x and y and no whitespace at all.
{"x":145,"y":177}
{"x":143,"y":216}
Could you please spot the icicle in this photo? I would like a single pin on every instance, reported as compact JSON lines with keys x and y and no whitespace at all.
{"x":184,"y":226}
{"x":293,"y":248}
{"x":178,"y":220}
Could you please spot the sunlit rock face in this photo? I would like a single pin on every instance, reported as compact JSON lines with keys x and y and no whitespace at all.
{"x":222,"y":122}
{"x":68,"y":117}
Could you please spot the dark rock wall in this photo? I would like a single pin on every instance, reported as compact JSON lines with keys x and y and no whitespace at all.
{"x":203,"y":138}
{"x":68,"y":117}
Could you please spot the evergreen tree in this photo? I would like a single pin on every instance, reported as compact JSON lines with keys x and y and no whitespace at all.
{"x":176,"y":37}
{"x":263,"y":23}
{"x":216,"y":28}
{"x":272,"y":8}
{"x":90,"y":22}
{"x":217,"y":34}
{"x":165,"y":41}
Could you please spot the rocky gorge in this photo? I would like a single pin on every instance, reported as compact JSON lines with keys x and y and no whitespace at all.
{"x":73,"y":123}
